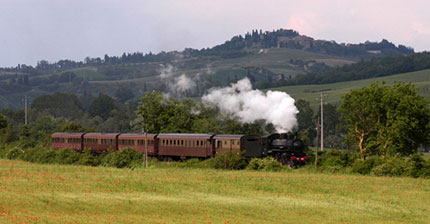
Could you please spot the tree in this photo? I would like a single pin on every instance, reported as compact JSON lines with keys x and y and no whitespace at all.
{"x":102,"y":106}
{"x":57,"y":105}
{"x":386,"y":120}
{"x":152,"y":112}
{"x":305,"y":119}
{"x":123,"y":94}
{"x":3,"y":121}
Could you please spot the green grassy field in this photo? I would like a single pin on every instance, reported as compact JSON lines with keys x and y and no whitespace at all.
{"x":335,"y":91}
{"x":31,"y":193}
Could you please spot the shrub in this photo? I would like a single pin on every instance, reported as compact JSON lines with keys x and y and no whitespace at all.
{"x":266,"y":164}
{"x":392,"y":166}
{"x":425,"y":172}
{"x":89,"y":159}
{"x":14,"y":153}
{"x":366,"y":166}
{"x":416,"y":165}
{"x":230,"y":160}
{"x":67,"y":156}
{"x":36,"y":155}
{"x":127,"y":157}
{"x":46,"y":155}
{"x":334,"y":161}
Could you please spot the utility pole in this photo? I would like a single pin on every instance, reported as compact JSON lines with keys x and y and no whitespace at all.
{"x":25,"y":109}
{"x":322,"y":121}
{"x":316,"y":147}
{"x":146,"y":147}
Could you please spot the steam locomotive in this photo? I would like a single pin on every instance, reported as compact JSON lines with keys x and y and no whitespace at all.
{"x":286,"y":148}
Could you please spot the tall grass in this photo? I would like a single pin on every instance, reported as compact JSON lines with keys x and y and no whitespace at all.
{"x":34,"y":193}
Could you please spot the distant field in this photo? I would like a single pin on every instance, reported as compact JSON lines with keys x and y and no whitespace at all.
{"x":31,"y":193}
{"x":335,"y":91}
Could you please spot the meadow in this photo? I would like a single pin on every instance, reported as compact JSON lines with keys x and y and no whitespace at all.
{"x":34,"y":193}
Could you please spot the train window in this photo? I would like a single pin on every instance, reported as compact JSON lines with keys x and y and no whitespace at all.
{"x":219,"y":144}
{"x":198,"y":143}
{"x":225,"y":142}
{"x":182,"y":142}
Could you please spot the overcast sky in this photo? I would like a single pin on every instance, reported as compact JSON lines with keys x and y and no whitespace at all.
{"x":32,"y":30}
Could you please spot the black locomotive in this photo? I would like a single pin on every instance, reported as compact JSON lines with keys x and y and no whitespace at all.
{"x":286,"y":148}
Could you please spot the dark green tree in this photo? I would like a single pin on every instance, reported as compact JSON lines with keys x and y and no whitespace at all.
{"x":3,"y":122}
{"x":123,"y":94}
{"x":57,"y":105}
{"x":386,"y":120}
{"x":102,"y":106}
{"x":305,"y":119}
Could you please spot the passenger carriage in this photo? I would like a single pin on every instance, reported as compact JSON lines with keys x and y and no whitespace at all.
{"x":139,"y":142}
{"x":185,"y":145}
{"x":67,"y":140}
{"x":100,"y":142}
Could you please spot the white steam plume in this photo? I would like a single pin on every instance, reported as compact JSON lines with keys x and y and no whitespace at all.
{"x":182,"y":84}
{"x":250,"y":105}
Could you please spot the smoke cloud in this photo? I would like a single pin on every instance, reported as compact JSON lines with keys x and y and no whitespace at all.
{"x":182,"y":84}
{"x":178,"y":86}
{"x":250,"y":105}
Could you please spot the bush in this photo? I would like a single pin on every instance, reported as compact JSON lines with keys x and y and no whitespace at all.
{"x":266,"y":164}
{"x":127,"y":157}
{"x":37,"y":155}
{"x":392,"y":166}
{"x":67,"y":156}
{"x":366,"y":166}
{"x":46,"y":155}
{"x":416,"y":165}
{"x":230,"y":160}
{"x":333,"y":161}
{"x":89,"y":159}
{"x":425,"y":172}
{"x":14,"y":153}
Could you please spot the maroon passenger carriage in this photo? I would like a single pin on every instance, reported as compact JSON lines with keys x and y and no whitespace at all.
{"x":68,"y":140}
{"x":139,"y":142}
{"x":99,"y":143}
{"x":185,"y":145}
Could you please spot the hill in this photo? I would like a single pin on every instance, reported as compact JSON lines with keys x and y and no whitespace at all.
{"x":334,"y":91}
{"x":267,"y":58}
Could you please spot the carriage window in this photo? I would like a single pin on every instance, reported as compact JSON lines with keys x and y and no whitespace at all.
{"x":219,"y":144}
{"x":198,"y":143}
{"x":182,"y":142}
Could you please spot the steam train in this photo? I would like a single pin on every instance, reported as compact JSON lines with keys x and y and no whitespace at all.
{"x":286,"y":148}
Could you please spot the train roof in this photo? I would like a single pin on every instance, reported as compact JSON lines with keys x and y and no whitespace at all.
{"x":228,"y":136}
{"x":184,"y":136}
{"x":131,"y":135}
{"x":67,"y":134}
{"x":103,"y":135}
